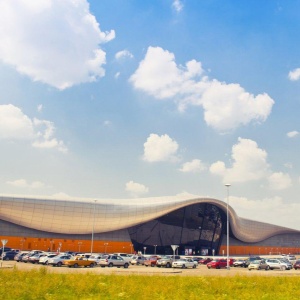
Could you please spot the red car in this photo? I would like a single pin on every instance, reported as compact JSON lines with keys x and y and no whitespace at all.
{"x":219,"y":263}
{"x":204,"y":261}
{"x":151,"y":261}
{"x":297,"y":265}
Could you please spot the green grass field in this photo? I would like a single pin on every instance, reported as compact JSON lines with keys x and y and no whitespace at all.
{"x":39,"y":284}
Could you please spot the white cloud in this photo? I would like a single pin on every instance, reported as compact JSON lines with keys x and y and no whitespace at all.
{"x":193,"y":166}
{"x":15,"y":125}
{"x":177,"y":5}
{"x":107,"y":123}
{"x":22,"y":183}
{"x":123,"y":53}
{"x":292,"y":134}
{"x":294,"y":74}
{"x":40,"y":107}
{"x":279,"y":181}
{"x":52,"y":41}
{"x":269,"y":210}
{"x":117,"y":75}
{"x":136,"y":189}
{"x":160,"y":148}
{"x":249,"y":163}
{"x":226,"y":106}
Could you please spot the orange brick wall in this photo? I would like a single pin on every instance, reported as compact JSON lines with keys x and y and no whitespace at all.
{"x":28,"y":243}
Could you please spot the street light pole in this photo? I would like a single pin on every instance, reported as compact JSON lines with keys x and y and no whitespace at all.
{"x":92,"y":242}
{"x":227,"y":217}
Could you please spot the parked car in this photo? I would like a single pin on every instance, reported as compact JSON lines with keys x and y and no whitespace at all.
{"x":34,"y":259}
{"x":125,"y":256}
{"x":138,"y":260}
{"x":278,"y":264}
{"x":197,"y":259}
{"x":113,"y":260}
{"x":151,"y":261}
{"x":9,"y":255}
{"x":59,"y":259}
{"x":184,"y":263}
{"x":25,"y":257}
{"x":5,"y":249}
{"x":297,"y":265}
{"x":239,"y":263}
{"x":95,"y":258}
{"x":205,"y":260}
{"x":258,"y":265}
{"x":19,"y":255}
{"x":251,"y":259}
{"x":77,"y":261}
{"x":166,"y":261}
{"x":44,"y":259}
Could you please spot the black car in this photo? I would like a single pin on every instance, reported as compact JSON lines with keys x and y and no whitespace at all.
{"x":5,"y":249}
{"x":9,"y":255}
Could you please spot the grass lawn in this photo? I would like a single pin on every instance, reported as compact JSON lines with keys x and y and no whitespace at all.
{"x":40,"y":284}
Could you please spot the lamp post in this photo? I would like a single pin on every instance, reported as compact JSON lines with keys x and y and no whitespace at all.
{"x":227,"y":216}
{"x":92,"y":242}
{"x":145,"y":250}
{"x":105,"y":245}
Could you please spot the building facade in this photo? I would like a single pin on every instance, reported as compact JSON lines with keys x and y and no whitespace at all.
{"x":147,"y":225}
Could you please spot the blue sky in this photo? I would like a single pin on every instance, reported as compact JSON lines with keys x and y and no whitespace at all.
{"x":123,"y":99}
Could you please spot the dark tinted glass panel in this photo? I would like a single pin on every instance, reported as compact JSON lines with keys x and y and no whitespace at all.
{"x":197,"y":227}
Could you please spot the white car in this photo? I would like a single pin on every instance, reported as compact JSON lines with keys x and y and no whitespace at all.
{"x":44,"y":259}
{"x":96,"y":258}
{"x":138,"y":260}
{"x":125,"y":256}
{"x":184,"y":263}
{"x":278,"y":264}
{"x":58,"y":260}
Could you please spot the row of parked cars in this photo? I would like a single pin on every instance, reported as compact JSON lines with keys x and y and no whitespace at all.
{"x":75,"y":260}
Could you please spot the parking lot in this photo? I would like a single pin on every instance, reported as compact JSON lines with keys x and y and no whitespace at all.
{"x":201,"y":270}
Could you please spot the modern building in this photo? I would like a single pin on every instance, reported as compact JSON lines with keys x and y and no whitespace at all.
{"x":149,"y":225}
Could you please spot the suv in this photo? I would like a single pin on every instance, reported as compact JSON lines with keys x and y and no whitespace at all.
{"x":166,"y":261}
{"x":113,"y":260}
{"x":275,"y":263}
{"x":125,"y":256}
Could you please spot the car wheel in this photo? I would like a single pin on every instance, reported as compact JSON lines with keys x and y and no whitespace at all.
{"x":137,"y":263}
{"x":92,"y":265}
{"x":267,"y":268}
{"x":75,"y":265}
{"x":102,"y":266}
{"x":259,"y":268}
{"x":168,"y":265}
{"x":110,"y":265}
{"x":59,"y":264}
{"x":183,"y":267}
{"x":194,"y":266}
{"x":126,"y":266}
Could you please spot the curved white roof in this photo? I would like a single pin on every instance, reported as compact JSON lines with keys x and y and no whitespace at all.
{"x":79,"y":216}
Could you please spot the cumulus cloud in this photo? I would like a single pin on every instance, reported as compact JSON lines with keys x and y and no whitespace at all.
{"x":294,"y":74}
{"x":136,"y":189}
{"x":226,"y":106}
{"x":279,"y":181}
{"x":52,"y":41}
{"x":193,"y":166}
{"x":160,"y":148}
{"x":15,"y":125}
{"x":22,"y":183}
{"x":249,"y":163}
{"x":292,"y":134}
{"x":123,"y":53}
{"x":177,"y":5}
{"x":279,"y":213}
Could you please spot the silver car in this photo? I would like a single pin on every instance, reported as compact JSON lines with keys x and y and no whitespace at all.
{"x":278,"y":264}
{"x":184,"y":263}
{"x":113,"y":260}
